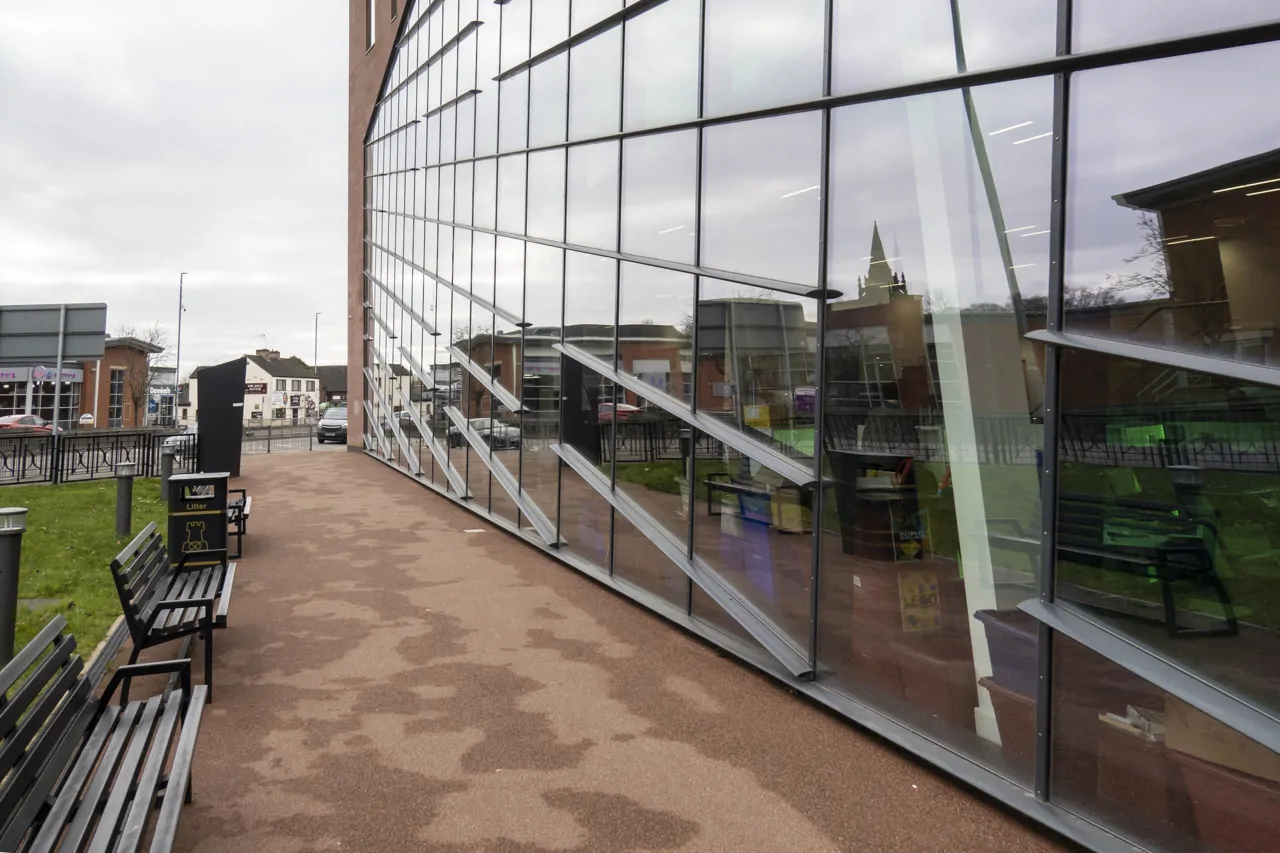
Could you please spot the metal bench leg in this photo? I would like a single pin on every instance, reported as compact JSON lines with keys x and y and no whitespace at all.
{"x":124,"y":688}
{"x":1228,"y":609}
{"x":208,"y":661}
{"x":1170,"y":609}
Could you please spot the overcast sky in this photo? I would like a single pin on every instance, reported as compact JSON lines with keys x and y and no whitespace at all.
{"x":145,"y":138}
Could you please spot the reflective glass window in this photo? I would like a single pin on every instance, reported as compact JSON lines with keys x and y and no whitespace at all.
{"x":595,"y":85}
{"x":1169,"y":513}
{"x":882,"y":44}
{"x":511,"y":193}
{"x":761,"y":53}
{"x":590,"y":285}
{"x":515,"y":32}
{"x":549,"y":100}
{"x":655,"y":329}
{"x":464,"y":198}
{"x":540,"y":372}
{"x":760,"y":197}
{"x":509,"y":284}
{"x":593,"y":195}
{"x":1134,"y":757}
{"x":659,"y":180}
{"x":486,"y":193}
{"x":546,"y":194}
{"x":932,"y":411}
{"x":1173,"y":235}
{"x":660,"y":79}
{"x":513,"y":115}
{"x":550,"y":24}
{"x":1100,"y":24}
{"x":588,"y":12}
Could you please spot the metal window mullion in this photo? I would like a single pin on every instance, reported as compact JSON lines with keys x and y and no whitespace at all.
{"x":824,"y":238}
{"x":1043,"y":779}
{"x":691,"y":473}
{"x":617,"y":288}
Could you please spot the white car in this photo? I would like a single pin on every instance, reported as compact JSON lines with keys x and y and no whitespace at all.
{"x":185,"y":439}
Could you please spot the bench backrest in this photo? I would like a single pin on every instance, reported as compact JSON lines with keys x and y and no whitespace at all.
{"x":43,"y":717}
{"x":139,"y":570}
{"x":1082,"y":518}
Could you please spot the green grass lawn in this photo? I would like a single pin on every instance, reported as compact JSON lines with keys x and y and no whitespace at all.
{"x":67,"y":551}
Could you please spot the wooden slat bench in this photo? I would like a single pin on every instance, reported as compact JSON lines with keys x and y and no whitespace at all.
{"x":1165,"y":542}
{"x":238,"y":510}
{"x":162,"y":602}
{"x":80,"y":773}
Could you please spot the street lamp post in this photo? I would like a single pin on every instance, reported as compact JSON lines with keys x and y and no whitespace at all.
{"x":315,"y":359}
{"x":177,"y":359}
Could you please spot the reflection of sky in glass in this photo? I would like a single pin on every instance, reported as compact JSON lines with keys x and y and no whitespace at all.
{"x":1146,"y":123}
{"x":515,"y":32}
{"x":590,"y":282}
{"x":659,"y":177}
{"x":761,"y":53}
{"x":595,"y":85}
{"x":544,"y":271}
{"x":550,"y":24}
{"x":546,"y":194}
{"x":661,"y":72}
{"x":882,"y":44}
{"x":593,"y":195}
{"x":513,"y":110}
{"x":651,"y":295}
{"x":547,"y":100}
{"x":511,"y":191}
{"x":1104,"y":23}
{"x":897,"y":165}
{"x":760,"y":197}
{"x":509,"y":278}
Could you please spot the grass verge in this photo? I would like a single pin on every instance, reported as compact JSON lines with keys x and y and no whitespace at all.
{"x":67,"y":551}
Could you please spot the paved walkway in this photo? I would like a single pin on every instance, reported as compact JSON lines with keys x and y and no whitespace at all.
{"x":391,"y":682}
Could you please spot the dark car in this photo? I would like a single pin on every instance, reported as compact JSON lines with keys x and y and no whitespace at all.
{"x":332,"y":426}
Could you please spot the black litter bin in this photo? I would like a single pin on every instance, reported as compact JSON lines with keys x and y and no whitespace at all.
{"x":197,"y":516}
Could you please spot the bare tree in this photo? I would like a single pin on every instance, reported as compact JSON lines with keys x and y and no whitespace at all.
{"x":1152,"y":273}
{"x":139,"y":380}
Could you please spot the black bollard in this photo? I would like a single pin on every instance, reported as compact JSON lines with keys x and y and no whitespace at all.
{"x":13,"y":521}
{"x":124,"y":499}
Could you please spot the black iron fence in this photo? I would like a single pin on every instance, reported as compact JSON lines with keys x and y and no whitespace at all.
{"x":277,"y":439}
{"x":32,"y":457}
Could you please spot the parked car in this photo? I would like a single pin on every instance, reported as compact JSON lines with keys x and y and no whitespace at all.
{"x":184,"y":439}
{"x":408,"y":427}
{"x":333,"y":425}
{"x":495,"y":433}
{"x":27,"y":422}
{"x":623,"y":412}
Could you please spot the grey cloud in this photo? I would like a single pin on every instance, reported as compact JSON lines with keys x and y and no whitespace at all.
{"x":149,"y":138}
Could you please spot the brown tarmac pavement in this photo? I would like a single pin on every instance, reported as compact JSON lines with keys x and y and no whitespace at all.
{"x":389,"y":682}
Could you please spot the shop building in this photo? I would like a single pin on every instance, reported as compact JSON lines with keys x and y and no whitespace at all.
{"x":114,"y":390}
{"x":961,"y":413}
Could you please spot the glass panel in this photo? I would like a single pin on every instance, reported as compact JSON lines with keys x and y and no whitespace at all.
{"x":515,"y":32}
{"x":760,"y":197}
{"x":470,"y":394}
{"x":754,"y":529}
{"x":446,"y":194}
{"x":932,"y":413}
{"x":550,"y":24}
{"x":486,"y":70}
{"x":486,"y":194}
{"x":466,"y":129}
{"x":588,"y":12}
{"x":549,"y":100}
{"x":448,"y":134}
{"x":661,"y":73}
{"x":593,"y":195}
{"x":659,"y":180}
{"x":1174,"y":204}
{"x":761,"y":53}
{"x":1169,"y":513}
{"x":1131,"y":756}
{"x":883,"y":44}
{"x":463,"y":196}
{"x":595,"y":85}
{"x":546,"y":194}
{"x":638,"y":561}
{"x":589,"y":304}
{"x":511,"y":193}
{"x":513,"y":116}
{"x":509,"y":291}
{"x":540,"y":388}
{"x":651,"y":456}
{"x":1099,"y":24}
{"x":655,"y":328}
{"x":758,"y":363}
{"x":584,"y":517}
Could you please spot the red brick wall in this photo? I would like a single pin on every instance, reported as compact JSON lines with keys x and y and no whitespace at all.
{"x":367,"y":67}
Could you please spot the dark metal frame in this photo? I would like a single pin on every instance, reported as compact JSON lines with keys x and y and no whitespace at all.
{"x":1053,"y":617}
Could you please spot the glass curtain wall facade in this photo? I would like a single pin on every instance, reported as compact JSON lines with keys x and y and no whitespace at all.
{"x":1004,"y":489}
